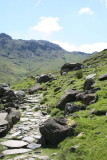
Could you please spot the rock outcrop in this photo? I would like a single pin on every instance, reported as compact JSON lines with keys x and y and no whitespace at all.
{"x":70,"y":67}
{"x":54,"y":130}
{"x":89,"y":98}
{"x":44,"y":78}
{"x":68,"y":96}
{"x":71,"y":108}
{"x":11,"y":98}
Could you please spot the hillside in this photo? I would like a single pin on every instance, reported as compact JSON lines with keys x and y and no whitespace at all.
{"x":89,"y":141}
{"x":21,"y":57}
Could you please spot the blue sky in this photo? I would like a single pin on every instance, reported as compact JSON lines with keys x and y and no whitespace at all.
{"x":76,"y":25}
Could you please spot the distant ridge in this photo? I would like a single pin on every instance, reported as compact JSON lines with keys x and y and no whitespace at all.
{"x":20,"y":57}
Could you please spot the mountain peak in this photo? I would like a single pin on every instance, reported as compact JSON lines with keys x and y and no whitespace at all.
{"x":5,"y":36}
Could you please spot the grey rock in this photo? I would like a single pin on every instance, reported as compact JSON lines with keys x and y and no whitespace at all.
{"x":20,"y":95}
{"x":15,"y":134}
{"x":44,"y":78}
{"x":21,"y":157}
{"x":26,"y":128}
{"x":98,"y":112}
{"x":9,"y":96}
{"x":13,"y":96}
{"x":55,"y":130}
{"x":90,"y":98}
{"x":88,"y":84}
{"x":103,"y":77}
{"x":14,"y":144}
{"x":68,"y":96}
{"x":57,"y":89}
{"x":35,"y":89}
{"x":67,"y":67}
{"x":13,"y":116}
{"x":91,"y":76}
{"x":33,"y":146}
{"x":28,"y":139}
{"x":16,"y":151}
{"x":11,"y":105}
{"x":41,"y":157}
{"x":71,"y":108}
{"x":3,"y":89}
{"x":24,"y":119}
{"x":73,"y":148}
{"x":3,"y":124}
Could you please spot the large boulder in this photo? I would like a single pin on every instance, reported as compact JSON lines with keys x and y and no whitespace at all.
{"x":44,"y":78}
{"x":71,"y":108}
{"x":3,"y":89}
{"x":9,"y":96}
{"x":70,"y":67}
{"x":103,"y":77}
{"x":35,"y":89}
{"x":54,"y":130}
{"x":68,"y":96}
{"x":88,"y":84}
{"x":16,"y":97}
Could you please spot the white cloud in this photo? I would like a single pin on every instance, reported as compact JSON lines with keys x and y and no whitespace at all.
{"x":47,"y":25}
{"x":38,"y":2}
{"x":88,"y":48}
{"x":86,"y":11}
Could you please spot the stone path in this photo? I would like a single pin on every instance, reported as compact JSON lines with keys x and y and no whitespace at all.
{"x":23,"y":137}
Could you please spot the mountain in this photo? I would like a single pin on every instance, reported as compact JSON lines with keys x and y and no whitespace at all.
{"x":21,"y":57}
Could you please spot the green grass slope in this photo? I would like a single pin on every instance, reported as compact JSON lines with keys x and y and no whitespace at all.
{"x":93,"y":142}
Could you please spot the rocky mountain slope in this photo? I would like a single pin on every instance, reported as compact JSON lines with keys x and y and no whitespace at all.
{"x":79,"y":95}
{"x":21,"y":57}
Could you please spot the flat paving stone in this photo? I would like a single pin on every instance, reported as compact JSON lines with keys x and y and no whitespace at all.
{"x":16,"y":151}
{"x":24,"y":119}
{"x":28,"y":139}
{"x":33,"y":146}
{"x":14,"y":144}
{"x":16,"y":134}
{"x":20,"y":157}
{"x":33,"y":120}
{"x":41,"y":157}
